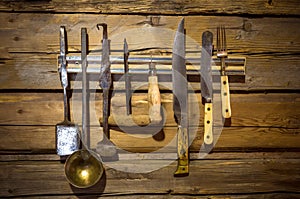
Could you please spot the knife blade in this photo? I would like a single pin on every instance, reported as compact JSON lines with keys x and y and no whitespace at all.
{"x":180,"y":100}
{"x":207,"y":87}
{"x":127,"y":79}
{"x":105,"y":78}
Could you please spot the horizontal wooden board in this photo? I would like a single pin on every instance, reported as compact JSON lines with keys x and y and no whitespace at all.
{"x":30,"y":45}
{"x":246,"y":176}
{"x":248,"y":110}
{"x":182,"y":196}
{"x":41,"y":139}
{"x":224,"y":155}
{"x":29,"y":32}
{"x":257,"y":7}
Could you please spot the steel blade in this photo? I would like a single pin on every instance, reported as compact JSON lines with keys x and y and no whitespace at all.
{"x":179,"y":76}
{"x":206,"y":70}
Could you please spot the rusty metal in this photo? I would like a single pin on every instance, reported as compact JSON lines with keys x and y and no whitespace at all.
{"x":105,"y":148}
{"x":105,"y":78}
{"x":67,"y":133}
{"x":127,"y":79}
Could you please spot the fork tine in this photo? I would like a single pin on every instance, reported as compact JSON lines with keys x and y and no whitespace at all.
{"x":221,"y":39}
{"x":218,"y":39}
{"x":224,"y":39}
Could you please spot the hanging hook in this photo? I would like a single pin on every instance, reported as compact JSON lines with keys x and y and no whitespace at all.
{"x":104,"y":26}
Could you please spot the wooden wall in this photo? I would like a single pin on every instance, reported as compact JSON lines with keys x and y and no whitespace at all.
{"x":257,"y":156}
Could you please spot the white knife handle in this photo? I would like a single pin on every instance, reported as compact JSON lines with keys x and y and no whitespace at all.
{"x":154,"y":100}
{"x":208,"y":124}
{"x":225,"y":97}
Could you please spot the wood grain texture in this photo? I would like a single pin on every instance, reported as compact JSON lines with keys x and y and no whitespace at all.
{"x":250,"y":110}
{"x":256,"y":157}
{"x":29,"y":47}
{"x":244,"y":176}
{"x":227,"y":7}
{"x":40,"y":139}
{"x":244,"y":35}
{"x":187,"y":196}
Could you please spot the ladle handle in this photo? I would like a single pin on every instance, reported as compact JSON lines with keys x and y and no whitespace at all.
{"x":85,"y":97}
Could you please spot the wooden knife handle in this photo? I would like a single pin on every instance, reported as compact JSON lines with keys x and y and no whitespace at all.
{"x":154,"y":100}
{"x":208,"y":124}
{"x":225,"y":97}
{"x":182,"y":152}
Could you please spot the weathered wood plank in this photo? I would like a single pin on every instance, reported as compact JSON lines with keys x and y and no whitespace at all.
{"x":257,"y":7}
{"x":265,"y":110}
{"x":25,"y":62}
{"x":145,"y":156}
{"x":21,"y":33}
{"x":206,"y":177}
{"x":187,"y":196}
{"x":39,"y":139}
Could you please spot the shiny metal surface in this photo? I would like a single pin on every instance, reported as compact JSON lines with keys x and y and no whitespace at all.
{"x":180,"y":101}
{"x":67,"y":133}
{"x":83,"y":169}
{"x":206,"y":68}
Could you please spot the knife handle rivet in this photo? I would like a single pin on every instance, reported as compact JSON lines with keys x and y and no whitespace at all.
{"x":225,"y":94}
{"x":207,"y":137}
{"x":208,"y":109}
{"x":224,"y":82}
{"x":226,"y":110}
{"x":207,"y":121}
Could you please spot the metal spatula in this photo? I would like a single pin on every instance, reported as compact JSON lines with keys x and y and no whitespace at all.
{"x":67,"y":133}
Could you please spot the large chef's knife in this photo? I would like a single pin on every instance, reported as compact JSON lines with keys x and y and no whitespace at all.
{"x":180,"y":100}
{"x":207,"y":87}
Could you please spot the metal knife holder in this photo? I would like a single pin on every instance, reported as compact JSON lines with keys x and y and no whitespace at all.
{"x":235,"y":67}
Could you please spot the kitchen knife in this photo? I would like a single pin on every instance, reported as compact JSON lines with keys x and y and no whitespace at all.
{"x":207,"y":87}
{"x":180,"y":100}
{"x":127,"y":79}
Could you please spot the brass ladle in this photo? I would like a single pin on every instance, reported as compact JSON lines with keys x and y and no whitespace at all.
{"x":83,"y":168}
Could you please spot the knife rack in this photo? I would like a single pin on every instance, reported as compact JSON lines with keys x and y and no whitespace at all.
{"x":235,"y":67}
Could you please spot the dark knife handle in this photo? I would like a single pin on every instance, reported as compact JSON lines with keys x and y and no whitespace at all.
{"x":182,"y":152}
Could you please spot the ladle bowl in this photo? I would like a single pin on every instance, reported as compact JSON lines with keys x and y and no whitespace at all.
{"x":82,"y":169}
